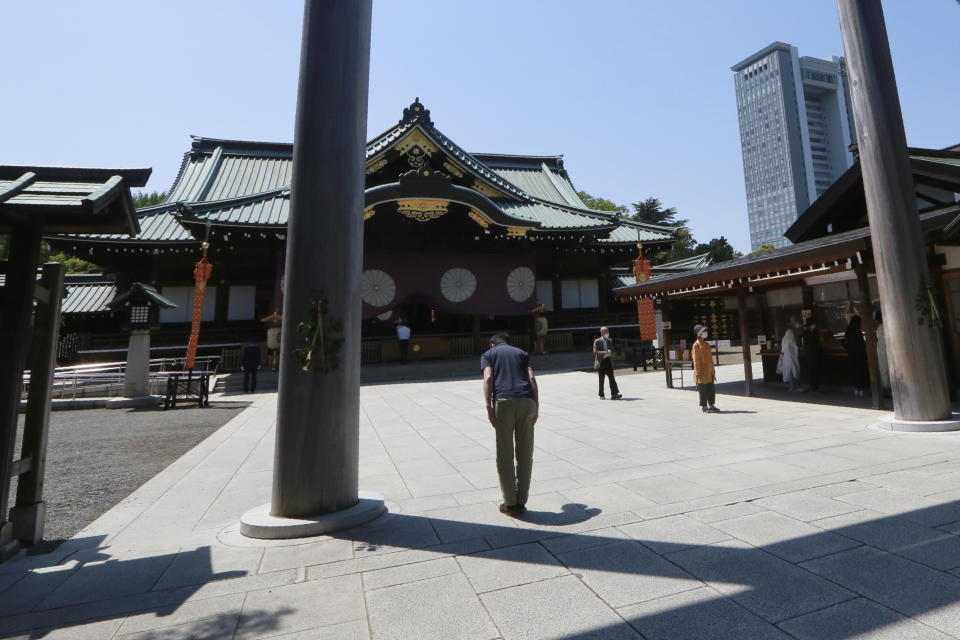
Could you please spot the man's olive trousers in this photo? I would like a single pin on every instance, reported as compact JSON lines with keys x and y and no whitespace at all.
{"x":514,"y":418}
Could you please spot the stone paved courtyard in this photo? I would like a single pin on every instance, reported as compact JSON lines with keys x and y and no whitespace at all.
{"x":775,"y":519}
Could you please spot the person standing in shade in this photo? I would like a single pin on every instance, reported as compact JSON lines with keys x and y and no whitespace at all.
{"x":703,"y":373}
{"x":789,"y":366}
{"x":882,"y":355}
{"x":403,"y":340}
{"x":856,"y":347}
{"x":811,"y":354}
{"x":511,"y":397}
{"x":603,"y":362}
{"x":250,"y":363}
{"x":540,"y":330}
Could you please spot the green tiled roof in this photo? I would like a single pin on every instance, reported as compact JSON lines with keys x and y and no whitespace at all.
{"x":633,"y":232}
{"x":157,"y":224}
{"x":271,"y":208}
{"x":236,"y":182}
{"x":552,"y":216}
{"x":141,"y":290}
{"x":88,"y":298}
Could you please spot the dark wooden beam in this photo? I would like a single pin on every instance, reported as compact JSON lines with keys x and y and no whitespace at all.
{"x":745,"y":341}
{"x":15,"y":317}
{"x":17,"y":186}
{"x":28,"y":515}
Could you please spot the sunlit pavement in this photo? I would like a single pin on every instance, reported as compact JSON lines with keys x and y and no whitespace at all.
{"x":647,"y":518}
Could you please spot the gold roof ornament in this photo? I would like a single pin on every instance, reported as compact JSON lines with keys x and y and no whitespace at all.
{"x":422,"y":210}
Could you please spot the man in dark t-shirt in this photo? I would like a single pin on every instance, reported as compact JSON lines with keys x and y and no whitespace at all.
{"x":512,"y":400}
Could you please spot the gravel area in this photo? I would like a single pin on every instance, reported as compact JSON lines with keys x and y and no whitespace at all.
{"x":97,"y":457}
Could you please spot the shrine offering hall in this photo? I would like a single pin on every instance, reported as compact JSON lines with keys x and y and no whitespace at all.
{"x":457,"y":244}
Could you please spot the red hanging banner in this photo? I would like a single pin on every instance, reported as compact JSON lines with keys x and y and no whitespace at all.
{"x":646,"y":318}
{"x":201,"y":273}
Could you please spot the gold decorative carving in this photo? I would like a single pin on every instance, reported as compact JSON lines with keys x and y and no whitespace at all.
{"x":368,"y":213}
{"x":479,"y":218}
{"x":422,"y":210}
{"x":517,"y":232}
{"x":418,"y":140}
{"x":376,"y":165}
{"x":452,"y":168}
{"x":486,"y":190}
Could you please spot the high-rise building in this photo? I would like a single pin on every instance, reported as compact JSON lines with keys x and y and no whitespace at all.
{"x":796,"y":125}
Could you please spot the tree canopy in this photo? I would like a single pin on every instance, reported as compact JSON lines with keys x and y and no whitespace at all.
{"x":764,"y":248}
{"x":652,"y":211}
{"x":143,"y":199}
{"x":720,"y":250}
{"x":602,"y":204}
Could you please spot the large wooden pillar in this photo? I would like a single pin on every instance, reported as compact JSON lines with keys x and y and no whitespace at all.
{"x":918,"y":376}
{"x":29,"y":514}
{"x":745,"y":341}
{"x":16,"y":311}
{"x":316,"y":460}
{"x":870,"y":331}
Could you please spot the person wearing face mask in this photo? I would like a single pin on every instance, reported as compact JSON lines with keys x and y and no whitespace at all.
{"x":603,"y":362}
{"x":703,"y":373}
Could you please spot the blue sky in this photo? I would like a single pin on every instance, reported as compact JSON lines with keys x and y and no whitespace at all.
{"x":637,"y":95}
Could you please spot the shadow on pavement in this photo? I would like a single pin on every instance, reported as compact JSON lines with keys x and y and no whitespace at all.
{"x":899,"y":563}
{"x":569,"y":514}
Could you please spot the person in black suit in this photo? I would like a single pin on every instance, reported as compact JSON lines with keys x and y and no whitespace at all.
{"x":250,"y":363}
{"x":811,"y":355}
{"x":603,"y":362}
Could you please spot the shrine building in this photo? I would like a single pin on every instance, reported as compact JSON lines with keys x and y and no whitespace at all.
{"x":458,"y":244}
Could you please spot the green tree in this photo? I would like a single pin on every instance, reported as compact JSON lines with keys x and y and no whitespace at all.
{"x":764,"y":248}
{"x":72,"y":263}
{"x":719,"y":249}
{"x":602,"y":204}
{"x":651,"y":211}
{"x":683,"y":247}
{"x":143,"y":199}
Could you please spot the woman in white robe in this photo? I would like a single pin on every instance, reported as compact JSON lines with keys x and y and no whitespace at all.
{"x":790,"y":356}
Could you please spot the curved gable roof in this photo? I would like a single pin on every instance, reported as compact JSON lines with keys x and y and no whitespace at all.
{"x":243,"y":182}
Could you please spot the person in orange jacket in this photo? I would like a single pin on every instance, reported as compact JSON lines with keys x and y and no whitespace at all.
{"x":703,"y":373}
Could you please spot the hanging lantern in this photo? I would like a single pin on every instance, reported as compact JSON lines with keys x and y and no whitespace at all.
{"x":201,"y":273}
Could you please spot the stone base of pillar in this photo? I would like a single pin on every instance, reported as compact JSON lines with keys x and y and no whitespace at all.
{"x":136,"y":402}
{"x":889,"y":422}
{"x":258,"y":523}
{"x":9,"y":546}
{"x":28,"y":522}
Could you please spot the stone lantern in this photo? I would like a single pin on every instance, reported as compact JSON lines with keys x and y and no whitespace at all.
{"x":139,"y":310}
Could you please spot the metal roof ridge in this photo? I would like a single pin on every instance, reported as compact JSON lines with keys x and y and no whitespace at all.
{"x":518,"y":156}
{"x":244,"y":199}
{"x":199,"y":141}
{"x":210,"y":171}
{"x":383,"y":134}
{"x":134,"y":177}
{"x":933,"y":153}
{"x":492,"y":177}
{"x":554,"y":180}
{"x":648,"y":225}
